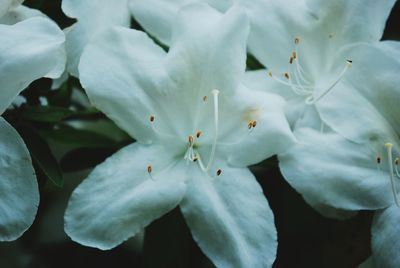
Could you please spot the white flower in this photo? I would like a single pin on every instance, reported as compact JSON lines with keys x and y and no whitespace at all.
{"x":93,"y":17}
{"x":196,"y":127}
{"x":29,"y":49}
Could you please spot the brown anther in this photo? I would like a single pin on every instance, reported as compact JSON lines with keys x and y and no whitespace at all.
{"x":396,"y":161}
{"x":195,"y":159}
{"x":286,"y":75}
{"x":198,"y":134}
{"x":250,"y":125}
{"x":270,"y":73}
{"x":294,"y":55}
{"x":205,"y":98}
{"x":378,"y":159}
{"x":152,"y":118}
{"x":219,"y":171}
{"x":331,"y":35}
{"x":291,"y":60}
{"x":296,"y":40}
{"x":349,"y":61}
{"x":190,"y":139}
{"x":254,"y":123}
{"x":149,"y":169}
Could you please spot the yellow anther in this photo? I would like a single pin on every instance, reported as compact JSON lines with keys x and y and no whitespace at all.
{"x":294,"y":55}
{"x":198,"y":134}
{"x":219,"y":171}
{"x":205,"y":98}
{"x":297,"y":40}
{"x":270,"y":73}
{"x":252,"y":124}
{"x":286,"y":74}
{"x":152,"y":118}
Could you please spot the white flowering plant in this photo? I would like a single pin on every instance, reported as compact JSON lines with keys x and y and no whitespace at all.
{"x":199,"y":133}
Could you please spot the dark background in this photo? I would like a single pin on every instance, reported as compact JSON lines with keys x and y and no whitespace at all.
{"x":306,"y":239}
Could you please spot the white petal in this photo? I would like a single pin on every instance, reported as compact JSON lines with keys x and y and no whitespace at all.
{"x":19,"y":14}
{"x":352,"y":21}
{"x":93,"y":16}
{"x":366,"y":104}
{"x":230,"y":218}
{"x":385,"y":237}
{"x":19,"y":193}
{"x":330,"y":170}
{"x":158,"y":21}
{"x":120,"y":197}
{"x":37,"y":49}
{"x":272,"y":134}
{"x":119,"y":71}
{"x":199,"y":54}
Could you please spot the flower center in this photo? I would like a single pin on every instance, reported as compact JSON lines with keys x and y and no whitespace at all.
{"x":297,"y":79}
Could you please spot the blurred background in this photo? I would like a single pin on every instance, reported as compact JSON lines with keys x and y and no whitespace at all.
{"x":67,"y":137}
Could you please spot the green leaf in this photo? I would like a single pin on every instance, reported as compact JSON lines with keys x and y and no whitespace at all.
{"x":41,"y":154}
{"x":78,"y":137}
{"x":48,"y":114}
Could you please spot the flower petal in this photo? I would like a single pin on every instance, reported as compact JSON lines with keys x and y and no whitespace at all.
{"x":366,"y":104}
{"x":352,"y":21}
{"x":199,"y":53}
{"x":19,"y":14}
{"x":120,"y":197}
{"x":19,"y":193}
{"x":330,"y":170}
{"x":272,"y":134}
{"x":93,"y":16}
{"x":230,"y":218}
{"x":118,"y":71}
{"x":37,"y":49}
{"x":385,"y":237}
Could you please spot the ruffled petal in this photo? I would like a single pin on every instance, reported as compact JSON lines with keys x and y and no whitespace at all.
{"x":94,"y":16}
{"x":19,"y":193}
{"x":385,"y":237}
{"x":121,"y":196}
{"x":330,"y":170}
{"x":230,"y":218}
{"x":37,"y":49}
{"x":119,"y":71}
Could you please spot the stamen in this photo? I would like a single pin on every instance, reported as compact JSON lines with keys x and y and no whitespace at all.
{"x":198,"y":134}
{"x":378,"y":159}
{"x":291,"y":60}
{"x":396,"y":162}
{"x":190,"y":140}
{"x":294,"y":54}
{"x":286,"y":74}
{"x":205,"y":98}
{"x":252,"y":124}
{"x":311,"y":100}
{"x":270,"y":73}
{"x":152,"y":118}
{"x":149,"y":170}
{"x":389,"y":147}
{"x":297,"y":40}
{"x":215,"y":93}
{"x":219,"y":171}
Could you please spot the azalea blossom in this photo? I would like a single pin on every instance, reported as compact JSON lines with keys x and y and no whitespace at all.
{"x":197,"y":128}
{"x":93,"y":17}
{"x":29,"y":49}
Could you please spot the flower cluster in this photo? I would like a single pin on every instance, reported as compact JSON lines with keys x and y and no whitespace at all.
{"x":325,"y":102}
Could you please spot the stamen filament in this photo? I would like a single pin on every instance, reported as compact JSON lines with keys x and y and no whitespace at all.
{"x":215,"y":93}
{"x":389,"y":147}
{"x":311,"y":100}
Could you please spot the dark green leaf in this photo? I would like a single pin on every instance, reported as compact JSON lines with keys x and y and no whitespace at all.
{"x":48,"y":114}
{"x":84,"y":158}
{"x":41,"y":154}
